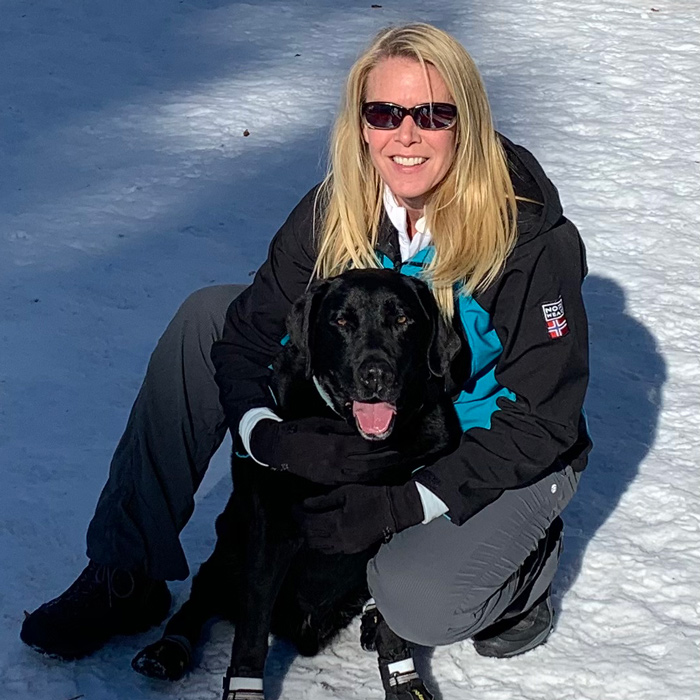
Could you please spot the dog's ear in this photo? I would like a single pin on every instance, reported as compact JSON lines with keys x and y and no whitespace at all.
{"x":445,"y":344}
{"x":300,"y":323}
{"x":446,"y":347}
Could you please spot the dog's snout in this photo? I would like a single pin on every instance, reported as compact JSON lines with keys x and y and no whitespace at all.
{"x":376,"y":375}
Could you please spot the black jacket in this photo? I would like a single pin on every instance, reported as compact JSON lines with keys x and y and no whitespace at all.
{"x":521,"y":407}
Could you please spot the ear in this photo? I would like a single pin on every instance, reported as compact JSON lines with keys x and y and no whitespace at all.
{"x":300,"y":322}
{"x":445,"y":344}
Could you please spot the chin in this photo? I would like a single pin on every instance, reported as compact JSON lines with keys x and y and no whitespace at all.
{"x":406,"y":194}
{"x":406,"y":191}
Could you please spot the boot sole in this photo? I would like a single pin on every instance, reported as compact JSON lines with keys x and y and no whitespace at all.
{"x":75,"y":653}
{"x":493,"y":650}
{"x":503,"y":648}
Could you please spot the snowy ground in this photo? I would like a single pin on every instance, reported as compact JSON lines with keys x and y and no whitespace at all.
{"x":127,"y":183}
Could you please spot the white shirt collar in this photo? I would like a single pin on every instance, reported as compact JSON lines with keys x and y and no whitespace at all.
{"x":397,"y":215}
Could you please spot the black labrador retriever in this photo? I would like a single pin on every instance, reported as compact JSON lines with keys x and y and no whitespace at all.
{"x":371,"y":348}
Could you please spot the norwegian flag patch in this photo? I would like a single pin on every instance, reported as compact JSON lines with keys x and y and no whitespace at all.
{"x":553,"y":311}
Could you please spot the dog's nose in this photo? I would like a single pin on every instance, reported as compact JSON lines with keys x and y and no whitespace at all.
{"x":375,"y":375}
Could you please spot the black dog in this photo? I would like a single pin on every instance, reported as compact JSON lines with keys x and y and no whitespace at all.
{"x":370,"y":347}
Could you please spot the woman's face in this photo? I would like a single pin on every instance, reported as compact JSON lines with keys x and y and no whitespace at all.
{"x":403,"y":82}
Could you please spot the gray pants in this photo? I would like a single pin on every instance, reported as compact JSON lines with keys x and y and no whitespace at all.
{"x":434,"y":583}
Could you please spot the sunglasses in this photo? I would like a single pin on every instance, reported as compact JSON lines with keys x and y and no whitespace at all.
{"x":431,"y":115}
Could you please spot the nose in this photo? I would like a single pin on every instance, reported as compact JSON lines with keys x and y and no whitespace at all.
{"x":375,"y":375}
{"x":407,"y":133}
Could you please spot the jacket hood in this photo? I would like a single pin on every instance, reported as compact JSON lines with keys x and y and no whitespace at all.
{"x":530,"y":182}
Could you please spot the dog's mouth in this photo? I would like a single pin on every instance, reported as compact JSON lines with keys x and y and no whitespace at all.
{"x":374,"y":421}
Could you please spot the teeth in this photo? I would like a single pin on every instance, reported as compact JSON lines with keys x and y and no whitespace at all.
{"x":408,"y":161}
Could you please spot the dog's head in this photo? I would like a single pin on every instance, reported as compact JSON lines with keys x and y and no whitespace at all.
{"x":371,"y":340}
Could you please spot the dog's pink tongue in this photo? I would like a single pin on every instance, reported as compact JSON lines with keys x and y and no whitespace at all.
{"x":373,"y":418}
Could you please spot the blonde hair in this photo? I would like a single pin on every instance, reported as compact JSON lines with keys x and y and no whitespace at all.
{"x":470,"y":214}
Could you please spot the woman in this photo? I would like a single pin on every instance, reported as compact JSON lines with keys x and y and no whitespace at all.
{"x":419,"y":181}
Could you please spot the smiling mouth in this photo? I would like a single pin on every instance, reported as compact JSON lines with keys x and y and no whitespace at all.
{"x":408,"y":162}
{"x":374,"y":421}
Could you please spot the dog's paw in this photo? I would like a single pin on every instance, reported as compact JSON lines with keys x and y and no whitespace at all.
{"x":243,"y":695}
{"x":242,"y":688}
{"x":415,"y":690}
{"x":368,"y":626}
{"x":168,"y":659}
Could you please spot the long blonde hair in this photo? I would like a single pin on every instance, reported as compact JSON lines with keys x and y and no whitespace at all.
{"x":470,"y":214}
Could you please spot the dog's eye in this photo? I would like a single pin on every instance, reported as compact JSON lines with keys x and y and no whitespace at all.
{"x":401,"y":320}
{"x":340,"y":321}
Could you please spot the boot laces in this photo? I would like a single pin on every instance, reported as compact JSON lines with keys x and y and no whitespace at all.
{"x":97,"y":578}
{"x":107,"y":576}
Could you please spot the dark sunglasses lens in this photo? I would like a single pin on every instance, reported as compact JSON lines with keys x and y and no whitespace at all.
{"x":380,"y":115}
{"x":436,"y":116}
{"x":384,"y":115}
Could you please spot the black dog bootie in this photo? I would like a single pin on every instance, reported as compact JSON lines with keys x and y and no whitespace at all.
{"x":368,"y":625}
{"x":238,"y":688}
{"x":402,"y":682}
{"x":167,"y":659}
{"x":399,"y":676}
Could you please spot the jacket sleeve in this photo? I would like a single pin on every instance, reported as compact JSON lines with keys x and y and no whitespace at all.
{"x":536,"y":423}
{"x":255,"y":321}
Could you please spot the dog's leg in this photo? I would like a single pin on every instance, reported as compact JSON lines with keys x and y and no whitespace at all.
{"x":320,"y":596}
{"x":170,"y":657}
{"x":214,"y":592}
{"x":368,"y":625}
{"x":399,"y":676}
{"x":267,"y":562}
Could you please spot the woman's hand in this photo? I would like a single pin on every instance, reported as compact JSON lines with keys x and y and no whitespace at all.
{"x":353,"y":517}
{"x":323,"y":450}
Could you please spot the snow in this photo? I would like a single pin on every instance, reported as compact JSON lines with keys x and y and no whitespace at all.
{"x":127,"y":183}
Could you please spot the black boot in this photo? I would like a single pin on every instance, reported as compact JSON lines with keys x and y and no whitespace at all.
{"x":516,"y":635}
{"x":102,"y":602}
{"x":521,"y":630}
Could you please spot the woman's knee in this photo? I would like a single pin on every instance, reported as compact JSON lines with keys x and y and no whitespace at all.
{"x":208,"y":305}
{"x":196,"y":325}
{"x":424,"y":612}
{"x":410,"y":608}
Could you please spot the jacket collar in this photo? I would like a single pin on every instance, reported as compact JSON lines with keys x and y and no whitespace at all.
{"x":393,"y":238}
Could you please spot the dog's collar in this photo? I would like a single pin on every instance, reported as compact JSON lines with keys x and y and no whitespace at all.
{"x":324,"y":394}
